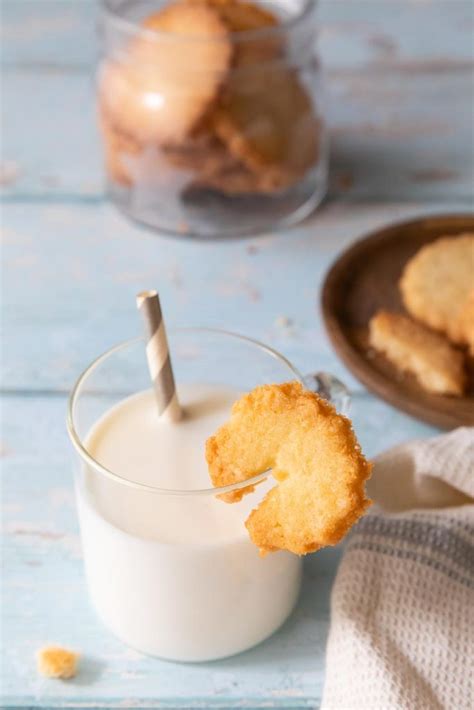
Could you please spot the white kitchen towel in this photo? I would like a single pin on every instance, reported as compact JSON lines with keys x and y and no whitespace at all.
{"x":402,"y":605}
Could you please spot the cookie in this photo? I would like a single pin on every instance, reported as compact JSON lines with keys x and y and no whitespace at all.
{"x":257,"y":45}
{"x":437,"y":281}
{"x":314,"y":456}
{"x":56,"y":662}
{"x":411,"y":347}
{"x":119,"y":151}
{"x":203,"y":155}
{"x":235,"y":179}
{"x":164,"y":84}
{"x":244,"y":16}
{"x":268,"y":123}
{"x":465,"y":324}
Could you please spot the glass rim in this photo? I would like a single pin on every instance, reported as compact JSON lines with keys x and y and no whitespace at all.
{"x":77,"y":442}
{"x":286,"y":24}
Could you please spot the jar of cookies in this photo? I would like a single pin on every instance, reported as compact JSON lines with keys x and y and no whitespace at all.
{"x":211,"y":113}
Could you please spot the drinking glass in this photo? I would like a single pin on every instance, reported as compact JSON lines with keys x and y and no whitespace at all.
{"x":185,"y":597}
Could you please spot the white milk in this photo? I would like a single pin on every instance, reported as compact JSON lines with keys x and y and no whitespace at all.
{"x":176,"y":577}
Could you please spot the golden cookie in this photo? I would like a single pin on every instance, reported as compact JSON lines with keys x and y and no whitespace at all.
{"x":240,"y":15}
{"x":204,"y":155}
{"x":119,"y":150}
{"x":166,"y":82}
{"x":268,"y":123}
{"x":245,"y":17}
{"x":314,"y":456}
{"x":465,"y":323}
{"x":411,"y":347}
{"x":56,"y":662}
{"x":437,"y":281}
{"x":234,"y":178}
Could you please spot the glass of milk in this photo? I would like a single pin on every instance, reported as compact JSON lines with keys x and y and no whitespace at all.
{"x":170,"y":568}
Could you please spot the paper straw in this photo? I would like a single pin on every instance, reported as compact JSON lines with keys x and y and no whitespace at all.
{"x":157,"y":352}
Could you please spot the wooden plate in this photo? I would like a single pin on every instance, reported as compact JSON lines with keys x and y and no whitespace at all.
{"x":364,"y":279}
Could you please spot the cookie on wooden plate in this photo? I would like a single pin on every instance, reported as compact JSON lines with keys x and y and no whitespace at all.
{"x":437,"y":281}
{"x":465,"y":324}
{"x":411,"y":347}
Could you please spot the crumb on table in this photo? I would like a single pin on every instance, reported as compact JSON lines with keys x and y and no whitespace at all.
{"x":57,"y":662}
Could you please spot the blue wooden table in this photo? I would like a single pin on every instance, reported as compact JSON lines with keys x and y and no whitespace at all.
{"x":401,"y":105}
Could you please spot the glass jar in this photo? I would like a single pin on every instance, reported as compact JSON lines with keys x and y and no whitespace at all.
{"x":211,"y":114}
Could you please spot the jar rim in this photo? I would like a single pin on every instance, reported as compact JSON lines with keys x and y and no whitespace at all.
{"x":285,"y":25}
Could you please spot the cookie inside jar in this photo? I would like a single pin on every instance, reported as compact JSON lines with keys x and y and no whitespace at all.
{"x":209,"y":99}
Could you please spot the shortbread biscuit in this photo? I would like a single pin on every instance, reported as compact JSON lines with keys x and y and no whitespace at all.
{"x":119,"y":152}
{"x":314,"y":456}
{"x":259,"y":43}
{"x":465,"y":323}
{"x":411,"y":347}
{"x":57,"y":662}
{"x":163,"y":85}
{"x":437,"y":281}
{"x":268,"y":123}
{"x":204,"y":155}
{"x":234,"y":178}
{"x":241,"y":15}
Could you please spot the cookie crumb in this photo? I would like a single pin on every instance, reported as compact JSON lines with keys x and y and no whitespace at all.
{"x":57,"y":662}
{"x":283,"y":322}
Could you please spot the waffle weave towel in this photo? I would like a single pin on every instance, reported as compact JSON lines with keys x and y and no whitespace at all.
{"x":402,"y":606}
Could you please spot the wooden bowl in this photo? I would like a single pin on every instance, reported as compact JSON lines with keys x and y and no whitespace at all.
{"x":363,"y":280}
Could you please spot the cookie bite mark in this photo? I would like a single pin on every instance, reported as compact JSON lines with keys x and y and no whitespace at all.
{"x":437,"y":281}
{"x":314,"y":456}
{"x":411,"y":347}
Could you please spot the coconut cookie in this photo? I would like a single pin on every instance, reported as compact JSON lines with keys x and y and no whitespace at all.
{"x":314,"y":455}
{"x":411,"y":347}
{"x":437,"y":281}
{"x":164,"y":86}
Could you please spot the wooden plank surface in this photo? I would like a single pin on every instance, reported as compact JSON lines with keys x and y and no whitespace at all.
{"x":400,"y":104}
{"x":73,"y":271}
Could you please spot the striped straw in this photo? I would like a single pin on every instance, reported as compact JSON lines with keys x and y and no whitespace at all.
{"x":159,"y":362}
